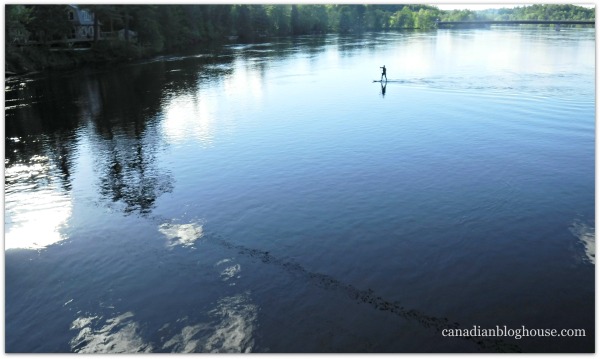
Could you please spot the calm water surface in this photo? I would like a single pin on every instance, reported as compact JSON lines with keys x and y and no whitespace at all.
{"x":272,"y":198}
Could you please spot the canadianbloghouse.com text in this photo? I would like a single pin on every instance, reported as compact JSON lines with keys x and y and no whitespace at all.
{"x":517,"y":333}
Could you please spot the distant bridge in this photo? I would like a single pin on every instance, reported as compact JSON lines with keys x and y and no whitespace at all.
{"x":480,"y":23}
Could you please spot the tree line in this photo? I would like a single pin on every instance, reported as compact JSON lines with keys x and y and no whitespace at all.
{"x":173,"y":27}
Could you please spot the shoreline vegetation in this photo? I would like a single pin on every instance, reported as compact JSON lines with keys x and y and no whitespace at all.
{"x":37,"y":36}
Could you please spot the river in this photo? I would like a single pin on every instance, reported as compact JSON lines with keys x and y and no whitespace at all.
{"x":271,"y":197}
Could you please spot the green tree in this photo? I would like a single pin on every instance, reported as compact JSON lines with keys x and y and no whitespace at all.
{"x":376,"y":18}
{"x":145,"y":21}
{"x":402,"y":19}
{"x":17,"y":19}
{"x":280,"y":18}
{"x":261,"y":23}
{"x":311,"y":19}
{"x":295,"y":23}
{"x":425,"y":19}
{"x":49,"y":22}
{"x":348,"y":19}
{"x":243,"y":22}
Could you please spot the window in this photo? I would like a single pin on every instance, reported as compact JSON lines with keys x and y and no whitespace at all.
{"x":71,"y":15}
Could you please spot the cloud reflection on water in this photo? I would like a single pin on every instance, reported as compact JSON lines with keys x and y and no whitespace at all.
{"x":230,"y":332}
{"x":118,"y":335}
{"x":587,"y":237}
{"x":181,"y":234}
{"x":230,"y":272}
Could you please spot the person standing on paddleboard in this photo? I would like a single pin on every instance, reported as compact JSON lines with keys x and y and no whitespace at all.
{"x":383,"y":73}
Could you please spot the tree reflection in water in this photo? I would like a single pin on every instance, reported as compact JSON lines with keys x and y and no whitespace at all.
{"x":116,"y":111}
{"x":125,"y":140}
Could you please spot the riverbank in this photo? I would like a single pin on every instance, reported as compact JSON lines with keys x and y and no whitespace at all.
{"x":26,"y":59}
{"x":29,"y":59}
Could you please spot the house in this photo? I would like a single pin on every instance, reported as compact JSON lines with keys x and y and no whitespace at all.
{"x":80,"y":31}
{"x":83,"y":23}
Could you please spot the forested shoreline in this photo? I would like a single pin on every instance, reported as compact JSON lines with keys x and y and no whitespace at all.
{"x":170,"y":28}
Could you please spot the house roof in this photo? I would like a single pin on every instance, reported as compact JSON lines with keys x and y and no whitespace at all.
{"x":81,"y":17}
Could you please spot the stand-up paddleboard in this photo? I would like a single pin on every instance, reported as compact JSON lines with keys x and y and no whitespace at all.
{"x":397,"y":81}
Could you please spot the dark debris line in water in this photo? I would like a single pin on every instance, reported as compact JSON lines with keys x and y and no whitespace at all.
{"x":368,"y":297}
